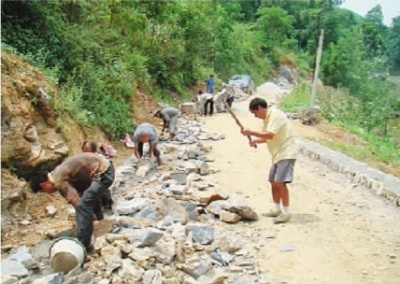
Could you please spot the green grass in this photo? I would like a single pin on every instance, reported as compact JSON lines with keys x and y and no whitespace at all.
{"x":383,"y":152}
{"x":373,"y":151}
{"x":377,"y":151}
{"x":298,"y":98}
{"x":380,"y":148}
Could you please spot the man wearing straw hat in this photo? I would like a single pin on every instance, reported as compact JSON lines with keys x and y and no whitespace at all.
{"x":82,"y":180}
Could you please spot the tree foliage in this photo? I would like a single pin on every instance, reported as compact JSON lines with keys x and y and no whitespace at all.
{"x":393,"y":46}
{"x":102,"y":52}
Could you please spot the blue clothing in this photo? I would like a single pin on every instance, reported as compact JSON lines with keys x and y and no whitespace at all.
{"x":210,"y":85}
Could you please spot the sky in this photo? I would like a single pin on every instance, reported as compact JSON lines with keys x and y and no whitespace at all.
{"x":390,"y":8}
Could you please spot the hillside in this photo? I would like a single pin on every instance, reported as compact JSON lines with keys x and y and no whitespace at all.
{"x":28,"y":218}
{"x":33,"y":137}
{"x":55,"y":136}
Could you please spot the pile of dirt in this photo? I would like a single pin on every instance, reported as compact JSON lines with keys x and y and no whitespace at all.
{"x":28,"y":222}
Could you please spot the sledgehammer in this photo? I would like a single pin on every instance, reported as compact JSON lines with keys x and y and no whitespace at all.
{"x":236,"y":119}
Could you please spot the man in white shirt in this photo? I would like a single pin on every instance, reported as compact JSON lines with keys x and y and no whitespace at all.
{"x":206,"y":100}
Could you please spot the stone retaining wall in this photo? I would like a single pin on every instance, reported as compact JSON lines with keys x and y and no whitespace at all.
{"x":382,"y":184}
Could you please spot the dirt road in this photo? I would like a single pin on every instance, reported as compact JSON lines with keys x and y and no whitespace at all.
{"x":340,"y":232}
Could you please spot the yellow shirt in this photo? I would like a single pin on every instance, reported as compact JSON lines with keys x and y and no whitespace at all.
{"x":283,"y":145}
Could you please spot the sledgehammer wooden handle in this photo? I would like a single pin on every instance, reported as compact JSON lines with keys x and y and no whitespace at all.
{"x":236,"y":120}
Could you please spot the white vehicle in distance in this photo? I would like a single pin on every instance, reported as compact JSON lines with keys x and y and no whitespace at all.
{"x":244,"y":82}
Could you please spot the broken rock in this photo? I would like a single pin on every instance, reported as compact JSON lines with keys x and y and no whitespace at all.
{"x":202,"y":234}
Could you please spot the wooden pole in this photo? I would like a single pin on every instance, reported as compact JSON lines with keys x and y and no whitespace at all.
{"x":236,"y":119}
{"x":319,"y":54}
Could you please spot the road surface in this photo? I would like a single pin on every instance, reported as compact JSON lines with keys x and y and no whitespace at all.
{"x":340,"y":232}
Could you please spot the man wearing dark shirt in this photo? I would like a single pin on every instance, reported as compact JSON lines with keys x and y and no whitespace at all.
{"x":106,"y":199}
{"x":81,"y":180}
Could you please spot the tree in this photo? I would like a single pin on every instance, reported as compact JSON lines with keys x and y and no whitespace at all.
{"x":373,"y":32}
{"x":393,"y":46}
{"x":372,"y":39}
{"x":274,"y":25}
{"x":342,"y":63}
{"x":375,"y":17}
{"x":249,"y":9}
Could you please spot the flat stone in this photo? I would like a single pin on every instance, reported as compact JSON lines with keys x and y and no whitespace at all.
{"x":56,"y":278}
{"x":180,"y":177}
{"x":152,"y":276}
{"x":229,"y":217}
{"x":165,"y":250}
{"x":213,"y":276}
{"x":202,"y":234}
{"x":145,"y":237}
{"x":125,"y":207}
{"x":196,"y":266}
{"x":7,"y":279}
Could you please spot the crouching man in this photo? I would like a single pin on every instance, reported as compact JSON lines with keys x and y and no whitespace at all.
{"x":92,"y":147}
{"x":146,"y":133}
{"x":82,"y":180}
{"x":169,"y":116}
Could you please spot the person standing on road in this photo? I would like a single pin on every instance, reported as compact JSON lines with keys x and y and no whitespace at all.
{"x":278,"y":134}
{"x":169,"y":116}
{"x":82,"y":180}
{"x":210,"y":84}
{"x":206,"y":102}
{"x":230,"y":99}
{"x":146,"y":133}
{"x":220,"y":97}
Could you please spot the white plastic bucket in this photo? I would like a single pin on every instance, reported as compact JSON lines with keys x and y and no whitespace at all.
{"x":66,"y":254}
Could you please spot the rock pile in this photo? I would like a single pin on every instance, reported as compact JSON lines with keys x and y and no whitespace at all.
{"x":168,"y":225}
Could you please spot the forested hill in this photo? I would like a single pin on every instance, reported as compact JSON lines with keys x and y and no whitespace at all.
{"x":101,"y":52}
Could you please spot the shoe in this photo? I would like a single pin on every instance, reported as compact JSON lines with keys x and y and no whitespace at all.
{"x":272,"y":213}
{"x":90,"y":250}
{"x":282,"y":218}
